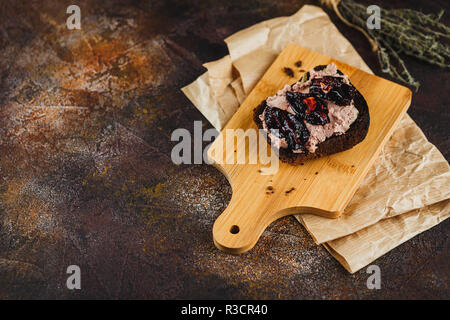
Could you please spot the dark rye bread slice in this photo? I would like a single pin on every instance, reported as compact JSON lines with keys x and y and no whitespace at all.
{"x":336,"y":143}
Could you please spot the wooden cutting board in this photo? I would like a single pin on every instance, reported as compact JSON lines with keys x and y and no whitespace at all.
{"x":323,"y":186}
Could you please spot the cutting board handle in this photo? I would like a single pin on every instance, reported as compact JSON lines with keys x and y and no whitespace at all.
{"x":237,"y":232}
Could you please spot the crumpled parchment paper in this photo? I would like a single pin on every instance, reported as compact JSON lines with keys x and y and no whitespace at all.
{"x":405,"y":192}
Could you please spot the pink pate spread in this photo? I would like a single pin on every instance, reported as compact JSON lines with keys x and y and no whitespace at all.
{"x":341,"y":117}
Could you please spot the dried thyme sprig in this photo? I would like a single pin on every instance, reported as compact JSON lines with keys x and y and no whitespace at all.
{"x":403,"y":31}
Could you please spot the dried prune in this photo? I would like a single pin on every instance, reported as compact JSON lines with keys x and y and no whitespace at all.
{"x":288,"y":126}
{"x":308,"y":107}
{"x":333,"y":89}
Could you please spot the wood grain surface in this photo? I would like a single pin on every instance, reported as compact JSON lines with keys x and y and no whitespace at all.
{"x":323,"y":186}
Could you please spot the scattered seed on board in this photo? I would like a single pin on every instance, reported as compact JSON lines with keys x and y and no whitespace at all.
{"x":290,"y":190}
{"x":289,"y":72}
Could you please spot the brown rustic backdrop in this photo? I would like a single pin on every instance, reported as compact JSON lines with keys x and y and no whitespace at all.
{"x":86,"y":176}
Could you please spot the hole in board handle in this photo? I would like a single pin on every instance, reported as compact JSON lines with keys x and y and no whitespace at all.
{"x":234,"y":229}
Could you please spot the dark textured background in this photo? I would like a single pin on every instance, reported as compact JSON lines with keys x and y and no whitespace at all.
{"x":86,"y":176}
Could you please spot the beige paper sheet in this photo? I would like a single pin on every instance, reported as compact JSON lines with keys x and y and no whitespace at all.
{"x":410,"y":173}
{"x":253,"y":50}
{"x":201,"y":93}
{"x":410,"y":178}
{"x":361,"y":248}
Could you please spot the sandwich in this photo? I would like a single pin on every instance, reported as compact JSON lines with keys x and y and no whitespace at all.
{"x":319,"y":115}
